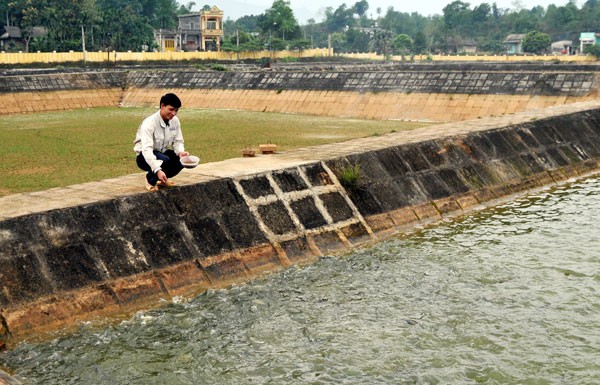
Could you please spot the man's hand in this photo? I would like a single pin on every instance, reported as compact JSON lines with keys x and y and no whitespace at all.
{"x":183,"y":153}
{"x":162,"y":176}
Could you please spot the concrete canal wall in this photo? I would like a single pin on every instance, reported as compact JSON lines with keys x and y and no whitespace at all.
{"x":243,"y":217}
{"x":29,"y":92}
{"x":412,"y":92}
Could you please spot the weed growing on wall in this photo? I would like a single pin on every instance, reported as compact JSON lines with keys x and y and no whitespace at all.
{"x":349,"y":176}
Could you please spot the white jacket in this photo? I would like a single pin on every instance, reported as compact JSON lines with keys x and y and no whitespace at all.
{"x":156,"y":135}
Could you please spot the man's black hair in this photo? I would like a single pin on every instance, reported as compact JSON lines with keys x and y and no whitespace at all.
{"x":170,"y":100}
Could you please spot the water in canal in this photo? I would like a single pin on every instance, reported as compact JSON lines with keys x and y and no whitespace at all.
{"x":509,"y":295}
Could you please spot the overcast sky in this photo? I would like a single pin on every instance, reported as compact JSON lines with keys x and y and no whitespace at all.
{"x":304,"y":10}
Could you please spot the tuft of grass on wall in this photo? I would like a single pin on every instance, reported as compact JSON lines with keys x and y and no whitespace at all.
{"x":349,"y":176}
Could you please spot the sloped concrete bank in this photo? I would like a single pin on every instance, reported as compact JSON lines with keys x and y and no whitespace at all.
{"x":110,"y":257}
{"x":60,"y":91}
{"x":416,"y":92}
{"x":444,"y":93}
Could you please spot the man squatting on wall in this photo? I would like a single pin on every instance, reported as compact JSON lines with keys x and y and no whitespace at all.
{"x":159,"y":144}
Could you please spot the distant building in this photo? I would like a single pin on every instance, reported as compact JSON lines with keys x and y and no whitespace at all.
{"x":564,"y":47}
{"x":514,"y":43}
{"x":371,"y":31}
{"x":11,"y":38}
{"x":201,"y":31}
{"x":461,"y":45}
{"x":588,"y":38}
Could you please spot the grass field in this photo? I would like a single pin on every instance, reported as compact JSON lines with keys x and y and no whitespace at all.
{"x":55,"y":149}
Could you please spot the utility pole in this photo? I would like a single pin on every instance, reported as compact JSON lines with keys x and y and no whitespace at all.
{"x":83,"y":44}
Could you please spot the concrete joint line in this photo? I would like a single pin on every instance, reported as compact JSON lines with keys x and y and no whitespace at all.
{"x":342,"y":191}
{"x":254,"y":210}
{"x":315,"y":192}
{"x":333,"y":226}
{"x":293,"y":195}
{"x":286,"y":203}
{"x":188,"y":238}
{"x":263,"y":200}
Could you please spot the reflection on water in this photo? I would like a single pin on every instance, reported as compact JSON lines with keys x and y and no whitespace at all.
{"x":508,"y":295}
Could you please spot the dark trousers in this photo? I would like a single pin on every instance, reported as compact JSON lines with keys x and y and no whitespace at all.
{"x":171,"y":165}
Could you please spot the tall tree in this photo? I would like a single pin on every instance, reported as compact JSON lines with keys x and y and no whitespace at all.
{"x":536,"y":42}
{"x":279,"y":19}
{"x":402,"y":44}
{"x":247,"y":23}
{"x":361,"y":7}
{"x":420,"y":43}
{"x":27,"y":15}
{"x":457,"y":16}
{"x":340,"y":19}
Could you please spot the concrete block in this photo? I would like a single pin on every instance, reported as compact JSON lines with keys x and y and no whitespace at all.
{"x":356,"y":233}
{"x":260,"y":259}
{"x":447,"y":205}
{"x":276,"y":218}
{"x":225,"y":270}
{"x":329,"y":242}
{"x":403,"y":216}
{"x":336,"y":206}
{"x":380,"y":222}
{"x":136,"y":288}
{"x":300,"y":249}
{"x":184,"y":278}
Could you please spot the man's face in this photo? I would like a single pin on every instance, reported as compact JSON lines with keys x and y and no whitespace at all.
{"x":168,"y":112}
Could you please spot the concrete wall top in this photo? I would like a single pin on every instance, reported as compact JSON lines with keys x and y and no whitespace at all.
{"x":427,"y":66}
{"x":468,"y":78}
{"x":62,"y":81}
{"x":443,"y":82}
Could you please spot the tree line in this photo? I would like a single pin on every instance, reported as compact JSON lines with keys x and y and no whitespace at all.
{"x":60,"y":25}
{"x":356,"y":28}
{"x":129,"y":25}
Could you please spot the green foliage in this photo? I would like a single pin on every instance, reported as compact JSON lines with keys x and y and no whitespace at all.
{"x":536,"y":42}
{"x":349,"y":175}
{"x":382,"y":42}
{"x":340,"y":19}
{"x":356,"y":41}
{"x":338,"y":41}
{"x":129,"y":25}
{"x":361,"y":7}
{"x":420,"y":43}
{"x":593,"y":50}
{"x":457,"y":16}
{"x":277,"y":44}
{"x":298,"y":44}
{"x":217,"y":67}
{"x":402,"y":44}
{"x":279,"y":20}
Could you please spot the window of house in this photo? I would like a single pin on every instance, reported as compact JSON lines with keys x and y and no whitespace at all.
{"x":211,"y":24}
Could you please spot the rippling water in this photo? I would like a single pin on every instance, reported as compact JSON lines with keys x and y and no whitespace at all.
{"x":509,"y":295}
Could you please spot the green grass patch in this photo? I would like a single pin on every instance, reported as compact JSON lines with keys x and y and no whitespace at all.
{"x":349,"y":176}
{"x":46,"y":150}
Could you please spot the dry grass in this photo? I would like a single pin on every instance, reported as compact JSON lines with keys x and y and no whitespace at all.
{"x":48,"y":150}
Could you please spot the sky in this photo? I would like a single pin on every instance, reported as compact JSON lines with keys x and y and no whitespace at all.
{"x":304,"y":10}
